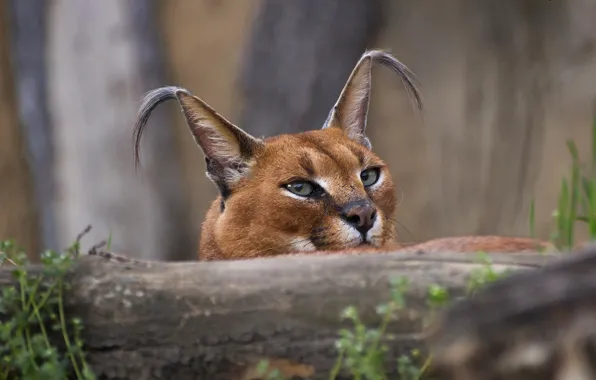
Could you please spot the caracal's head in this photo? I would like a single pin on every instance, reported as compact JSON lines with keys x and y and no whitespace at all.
{"x":321,"y":190}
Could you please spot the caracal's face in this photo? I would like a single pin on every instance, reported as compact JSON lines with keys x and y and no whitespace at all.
{"x":316,"y":190}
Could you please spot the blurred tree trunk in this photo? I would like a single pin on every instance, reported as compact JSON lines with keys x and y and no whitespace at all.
{"x":28,"y":33}
{"x":18,"y":217}
{"x":104,"y":55}
{"x":514,"y":39}
{"x":488,"y":82}
{"x":298,"y":59}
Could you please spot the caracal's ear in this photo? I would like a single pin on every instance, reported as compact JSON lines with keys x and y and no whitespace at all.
{"x":228,"y":149}
{"x":351,"y":109}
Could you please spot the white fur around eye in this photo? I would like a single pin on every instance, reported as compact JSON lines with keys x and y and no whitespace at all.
{"x":288,"y":193}
{"x":323,"y":183}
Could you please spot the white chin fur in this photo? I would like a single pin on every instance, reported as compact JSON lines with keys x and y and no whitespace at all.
{"x":299,"y":244}
{"x":373,"y":236}
{"x":348,"y":235}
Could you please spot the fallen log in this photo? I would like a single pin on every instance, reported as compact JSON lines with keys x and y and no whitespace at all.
{"x":536,"y":325}
{"x":218,"y":320}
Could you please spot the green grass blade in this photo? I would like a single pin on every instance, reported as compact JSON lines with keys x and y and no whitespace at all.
{"x":560,"y":215}
{"x":586,"y":185}
{"x":573,"y":192}
{"x":532,"y":219}
{"x":593,"y":168}
{"x":592,"y":210}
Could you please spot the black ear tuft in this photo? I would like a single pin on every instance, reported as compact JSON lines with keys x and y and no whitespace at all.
{"x":351,"y":109}
{"x":228,"y":149}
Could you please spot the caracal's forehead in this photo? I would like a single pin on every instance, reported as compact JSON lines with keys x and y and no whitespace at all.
{"x":326,"y":155}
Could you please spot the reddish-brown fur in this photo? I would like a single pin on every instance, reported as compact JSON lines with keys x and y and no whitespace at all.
{"x":486,"y":243}
{"x":256,"y":215}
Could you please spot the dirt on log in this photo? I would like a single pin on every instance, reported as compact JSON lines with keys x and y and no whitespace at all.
{"x":218,"y":320}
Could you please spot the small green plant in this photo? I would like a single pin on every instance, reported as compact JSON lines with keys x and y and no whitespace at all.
{"x":109,"y":242}
{"x":480,"y":277}
{"x":577,"y":199}
{"x":438,"y":296}
{"x":33,"y":316}
{"x":360,"y":350}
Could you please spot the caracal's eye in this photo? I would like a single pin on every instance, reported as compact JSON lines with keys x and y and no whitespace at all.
{"x":301,"y":188}
{"x":369,"y":176}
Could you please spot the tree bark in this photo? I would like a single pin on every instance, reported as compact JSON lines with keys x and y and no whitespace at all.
{"x":538,"y":325}
{"x":218,"y":320}
{"x":28,"y":33}
{"x":299,"y":57}
{"x":18,"y":215}
{"x":103,"y":57}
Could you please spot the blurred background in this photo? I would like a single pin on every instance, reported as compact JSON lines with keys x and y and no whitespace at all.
{"x":505,"y":84}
